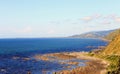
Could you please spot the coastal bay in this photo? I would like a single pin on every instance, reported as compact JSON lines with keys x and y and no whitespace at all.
{"x":19,"y":55}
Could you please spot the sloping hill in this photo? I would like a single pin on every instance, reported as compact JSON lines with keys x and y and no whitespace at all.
{"x":112,"y":35}
{"x":96,"y":34}
{"x":113,"y":47}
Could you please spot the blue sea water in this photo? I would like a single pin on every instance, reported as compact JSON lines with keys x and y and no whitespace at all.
{"x":28,"y":47}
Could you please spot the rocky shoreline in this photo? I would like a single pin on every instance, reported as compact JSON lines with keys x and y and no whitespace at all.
{"x":92,"y":65}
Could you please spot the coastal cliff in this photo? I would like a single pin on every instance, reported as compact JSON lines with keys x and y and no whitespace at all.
{"x":113,"y":47}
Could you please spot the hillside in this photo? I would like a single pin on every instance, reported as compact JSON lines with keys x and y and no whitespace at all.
{"x":112,"y":35}
{"x":95,"y":34}
{"x":113,"y":47}
{"x":111,"y":54}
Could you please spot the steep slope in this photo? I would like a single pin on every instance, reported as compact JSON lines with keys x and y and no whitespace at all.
{"x":96,"y":34}
{"x":112,"y":35}
{"x":113,"y":47}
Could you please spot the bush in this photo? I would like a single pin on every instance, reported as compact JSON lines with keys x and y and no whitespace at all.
{"x":114,"y":67}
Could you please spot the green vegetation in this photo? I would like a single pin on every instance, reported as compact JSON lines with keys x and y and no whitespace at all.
{"x":114,"y":67}
{"x":113,"y":60}
{"x":111,"y":54}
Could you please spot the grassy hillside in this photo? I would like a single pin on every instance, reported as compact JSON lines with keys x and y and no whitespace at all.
{"x":111,"y":54}
{"x":112,"y":35}
{"x":113,"y":47}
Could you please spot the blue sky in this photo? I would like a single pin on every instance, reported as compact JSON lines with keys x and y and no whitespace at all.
{"x":56,"y":18}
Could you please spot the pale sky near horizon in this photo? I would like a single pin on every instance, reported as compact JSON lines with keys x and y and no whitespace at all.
{"x":56,"y":18}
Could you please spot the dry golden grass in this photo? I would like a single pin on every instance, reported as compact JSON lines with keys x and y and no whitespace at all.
{"x":113,"y":47}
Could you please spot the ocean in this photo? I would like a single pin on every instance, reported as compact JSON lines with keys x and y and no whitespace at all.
{"x":28,"y":47}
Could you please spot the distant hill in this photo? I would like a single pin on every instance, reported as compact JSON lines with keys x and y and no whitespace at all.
{"x":112,"y":35}
{"x":114,"y":46}
{"x":95,"y":34}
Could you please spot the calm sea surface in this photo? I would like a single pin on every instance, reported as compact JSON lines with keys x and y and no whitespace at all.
{"x":23,"y":48}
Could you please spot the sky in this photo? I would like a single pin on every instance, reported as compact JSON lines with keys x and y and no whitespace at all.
{"x":56,"y":18}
